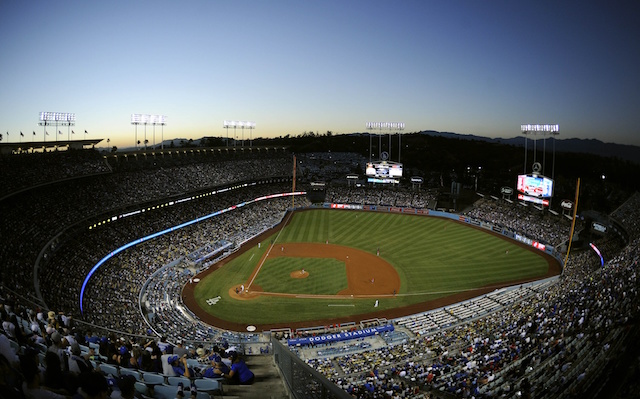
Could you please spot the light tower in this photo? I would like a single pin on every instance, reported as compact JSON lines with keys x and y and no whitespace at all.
{"x":251,"y":126}
{"x":380,"y":126}
{"x":57,"y":119}
{"x":163,"y":121}
{"x":536,"y":187}
{"x":226,"y":125}
{"x":157,"y":120}
{"x":235,"y":124}
{"x":544,"y":131}
{"x":135,"y":121}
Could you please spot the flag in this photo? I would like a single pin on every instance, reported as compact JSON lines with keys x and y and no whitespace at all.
{"x":21,"y":134}
{"x":47,"y":133}
{"x":59,"y":131}
{"x":85,"y":132}
{"x":34,"y":133}
{"x":72,"y":132}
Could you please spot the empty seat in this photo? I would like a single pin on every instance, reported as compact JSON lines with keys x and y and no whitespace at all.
{"x":186,"y":382}
{"x":165,"y":391}
{"x":207,"y":385}
{"x":135,"y":373}
{"x":142,"y":388}
{"x":109,"y":370}
{"x":152,"y":378}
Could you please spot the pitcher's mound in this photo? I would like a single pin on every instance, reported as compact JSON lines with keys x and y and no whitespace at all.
{"x":299,"y":274}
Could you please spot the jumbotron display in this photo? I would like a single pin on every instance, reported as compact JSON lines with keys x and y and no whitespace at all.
{"x":384,"y":169}
{"x":383,"y":172}
{"x":535,"y":186}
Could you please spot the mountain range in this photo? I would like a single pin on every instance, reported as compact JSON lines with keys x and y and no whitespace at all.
{"x":574,"y":145}
{"x":587,"y":146}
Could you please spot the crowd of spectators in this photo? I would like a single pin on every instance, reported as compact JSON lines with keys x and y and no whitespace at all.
{"x":19,"y":173}
{"x":330,"y":166}
{"x":382,"y":197}
{"x":130,"y":269}
{"x":543,"y":226}
{"x":49,"y":354}
{"x":32,"y":218}
{"x":552,"y":343}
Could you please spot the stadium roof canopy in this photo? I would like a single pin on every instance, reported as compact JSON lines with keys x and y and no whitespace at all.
{"x":33,"y":146}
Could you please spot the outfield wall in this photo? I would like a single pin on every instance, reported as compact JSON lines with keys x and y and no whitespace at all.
{"x":546,"y":248}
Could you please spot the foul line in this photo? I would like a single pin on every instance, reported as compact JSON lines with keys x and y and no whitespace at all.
{"x":365,"y":296}
{"x":255,"y":273}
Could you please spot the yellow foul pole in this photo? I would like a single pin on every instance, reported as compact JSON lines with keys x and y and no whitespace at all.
{"x":293,"y":188}
{"x":573,"y":224}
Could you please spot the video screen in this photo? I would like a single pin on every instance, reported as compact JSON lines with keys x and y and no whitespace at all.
{"x":384,"y":169}
{"x":535,"y":186}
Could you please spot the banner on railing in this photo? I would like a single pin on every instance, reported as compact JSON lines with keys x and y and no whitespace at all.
{"x":342,"y":336}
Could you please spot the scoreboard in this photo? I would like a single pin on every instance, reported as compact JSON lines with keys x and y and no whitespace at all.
{"x":535,"y":186}
{"x":384,"y":170}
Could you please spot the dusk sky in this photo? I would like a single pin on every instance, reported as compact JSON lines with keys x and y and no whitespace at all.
{"x":469,"y":67}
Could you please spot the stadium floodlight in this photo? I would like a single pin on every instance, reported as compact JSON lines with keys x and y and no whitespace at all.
{"x":57,"y":116}
{"x":57,"y":119}
{"x":385,"y":125}
{"x":530,"y":128}
{"x":237,"y":124}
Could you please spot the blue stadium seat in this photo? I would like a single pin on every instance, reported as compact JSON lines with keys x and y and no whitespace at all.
{"x":165,"y":391}
{"x":14,"y":345}
{"x":142,"y":389}
{"x":109,"y":370}
{"x":153,"y":379}
{"x":135,"y":373}
{"x":207,"y":385}
{"x":186,"y":382}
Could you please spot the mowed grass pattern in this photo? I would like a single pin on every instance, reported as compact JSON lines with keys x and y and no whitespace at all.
{"x":434,"y":257}
{"x":327,"y":276}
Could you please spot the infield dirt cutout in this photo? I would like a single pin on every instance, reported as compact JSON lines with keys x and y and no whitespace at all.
{"x":368,"y":275}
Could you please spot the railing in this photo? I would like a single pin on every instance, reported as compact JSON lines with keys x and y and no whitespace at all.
{"x":301,"y":380}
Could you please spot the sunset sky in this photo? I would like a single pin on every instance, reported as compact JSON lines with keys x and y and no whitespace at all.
{"x":470,"y":67}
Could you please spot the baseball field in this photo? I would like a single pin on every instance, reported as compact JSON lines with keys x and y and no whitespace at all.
{"x":328,"y":266}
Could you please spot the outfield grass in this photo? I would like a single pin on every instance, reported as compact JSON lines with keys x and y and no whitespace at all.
{"x":434,"y":257}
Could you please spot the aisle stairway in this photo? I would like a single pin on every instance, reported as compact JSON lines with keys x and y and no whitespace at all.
{"x":267,"y":385}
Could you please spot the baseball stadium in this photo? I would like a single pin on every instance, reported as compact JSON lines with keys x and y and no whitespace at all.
{"x":330,"y":274}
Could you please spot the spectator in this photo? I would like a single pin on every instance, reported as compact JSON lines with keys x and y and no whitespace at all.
{"x":180,"y":366}
{"x":77,"y":363}
{"x":240,"y":373}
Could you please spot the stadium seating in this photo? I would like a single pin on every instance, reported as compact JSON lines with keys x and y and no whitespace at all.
{"x":554,"y":334}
